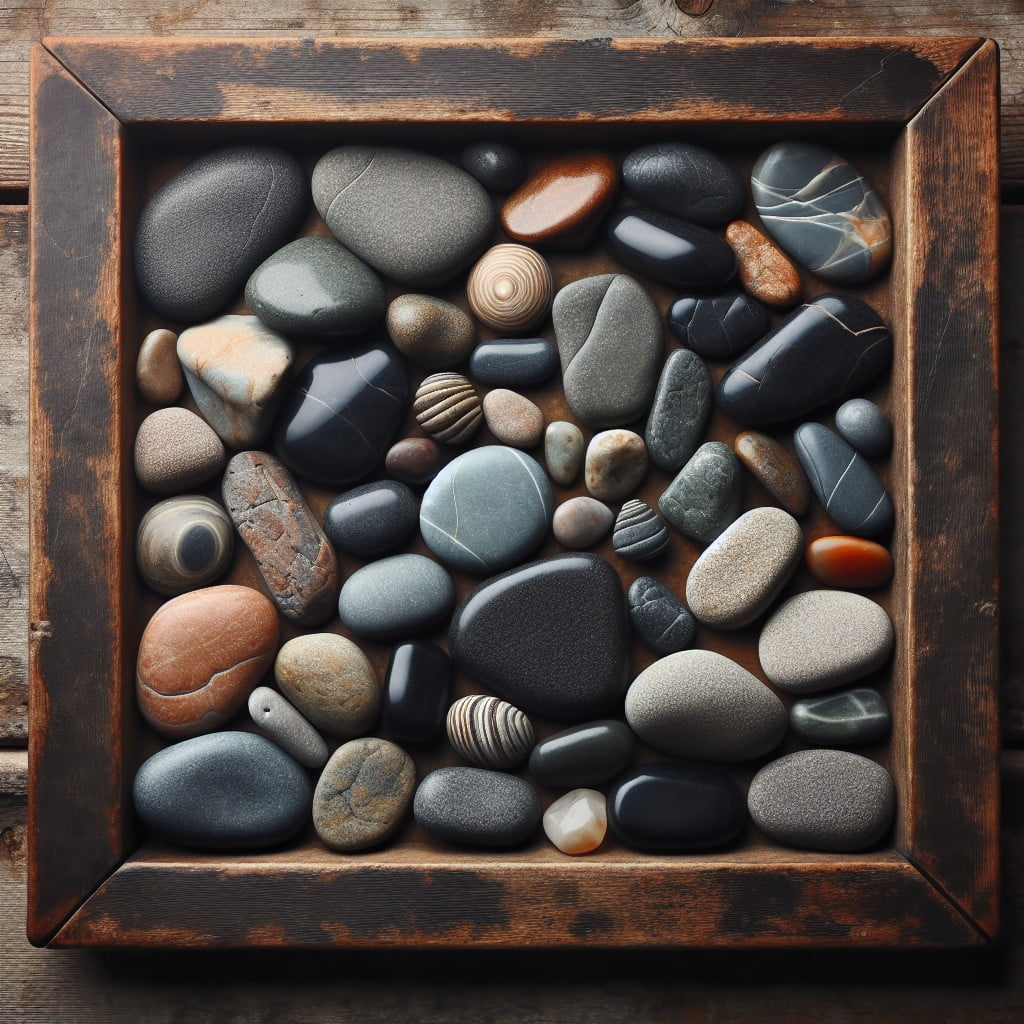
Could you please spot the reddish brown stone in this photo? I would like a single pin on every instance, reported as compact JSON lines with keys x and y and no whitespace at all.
{"x":765,"y":272}
{"x":157,"y":371}
{"x":775,"y":469}
{"x":200,"y":657}
{"x":291,"y":550}
{"x":414,"y":460}
{"x":563,"y":201}
{"x":849,"y":562}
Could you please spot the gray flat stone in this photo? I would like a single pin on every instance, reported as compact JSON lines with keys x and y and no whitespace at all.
{"x":705,"y":496}
{"x":283,"y":724}
{"x":679,"y":416}
{"x":863,"y":425}
{"x":659,"y":617}
{"x":841,"y":719}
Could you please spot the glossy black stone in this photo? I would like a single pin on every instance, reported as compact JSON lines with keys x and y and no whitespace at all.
{"x":585,"y":755}
{"x":338,"y":421}
{"x":822,"y":352}
{"x":718,"y":326}
{"x":676,"y":806}
{"x":670,"y":250}
{"x":842,"y":718}
{"x":513,"y":362}
{"x":685,"y":181}
{"x":568,"y":655}
{"x":659,"y":617}
{"x":370,"y":520}
{"x":498,"y":166}
{"x":416,"y":691}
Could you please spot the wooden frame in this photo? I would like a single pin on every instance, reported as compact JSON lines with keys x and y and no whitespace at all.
{"x":89,"y":882}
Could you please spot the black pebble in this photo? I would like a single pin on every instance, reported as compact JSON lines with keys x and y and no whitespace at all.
{"x":659,"y":617}
{"x":416,"y":691}
{"x":372,"y":519}
{"x":496,"y":165}
{"x":718,"y":326}
{"x":585,"y":755}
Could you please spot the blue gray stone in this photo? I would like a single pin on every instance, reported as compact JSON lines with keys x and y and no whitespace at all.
{"x":718,"y":326}
{"x":861,"y":423}
{"x":639,"y":534}
{"x":513,"y":362}
{"x":369,"y":521}
{"x":498,"y":166}
{"x":844,"y":718}
{"x":704,"y":498}
{"x":281,"y":722}
{"x":679,"y":416}
{"x":659,"y":618}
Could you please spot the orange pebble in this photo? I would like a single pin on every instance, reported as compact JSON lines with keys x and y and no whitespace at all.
{"x":764,"y":270}
{"x":849,"y":562}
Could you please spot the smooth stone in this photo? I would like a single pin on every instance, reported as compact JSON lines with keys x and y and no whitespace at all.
{"x":822,"y":352}
{"x":489,"y":732}
{"x":745,"y":568}
{"x":397,"y":597}
{"x":822,"y":211}
{"x":822,"y":639}
{"x":292,"y":552}
{"x":615,"y":465}
{"x":704,"y":498}
{"x":201,"y":655}
{"x":414,"y":217}
{"x":668,"y":807}
{"x":775,"y":469}
{"x":175,"y":450}
{"x":864,"y":426}
{"x":513,"y":362}
{"x":363,"y":794}
{"x":313,"y":286}
{"x":204,"y":231}
{"x":498,"y":166}
{"x":670,"y":250}
{"x":563,"y":201}
{"x":841,"y":719}
{"x":430,"y":332}
{"x":184,"y":543}
{"x":849,"y":562}
{"x":702,"y":705}
{"x":487,"y":510}
{"x":584,"y":755}
{"x":717,"y":326}
{"x":477,"y":807}
{"x":223,"y":791}
{"x":447,"y":407}
{"x":659,"y":617}
{"x":414,"y":460}
{"x":843,"y":481}
{"x":679,"y":416}
{"x":639,"y":535}
{"x":371,"y":520}
{"x":157,"y":370}
{"x":416,"y":688}
{"x":577,"y":821}
{"x":580,"y":523}
{"x":345,"y":410}
{"x":607,"y":383}
{"x":280,"y":722}
{"x":510,"y":288}
{"x":569,"y":655}
{"x":330,"y":681}
{"x":764,"y":271}
{"x":823,"y":800}
{"x":564,"y":451}
{"x":513,"y":419}
{"x":236,"y":368}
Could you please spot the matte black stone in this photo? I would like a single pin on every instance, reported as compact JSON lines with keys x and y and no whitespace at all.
{"x":568,"y":656}
{"x":416,"y":690}
{"x":585,"y":755}
{"x":822,"y":352}
{"x":685,"y":181}
{"x":840,"y":719}
{"x":513,"y":362}
{"x":863,"y":425}
{"x":659,"y":617}
{"x":682,"y":405}
{"x":718,"y":326}
{"x":496,"y":165}
{"x":202,"y":233}
{"x":843,"y":481}
{"x":373,"y":519}
{"x":670,"y":250}
{"x":639,"y":534}
{"x":676,"y":806}
{"x":338,"y":421}
{"x":704,"y":498}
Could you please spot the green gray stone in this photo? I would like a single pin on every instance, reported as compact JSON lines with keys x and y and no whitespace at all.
{"x":682,"y":405}
{"x":841,"y":719}
{"x":704,"y":498}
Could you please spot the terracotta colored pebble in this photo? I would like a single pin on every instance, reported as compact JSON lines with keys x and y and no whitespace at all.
{"x":563,"y":201}
{"x":175,"y":451}
{"x":513,"y":419}
{"x":414,"y":460}
{"x":157,"y":370}
{"x":775,"y":469}
{"x":849,"y":562}
{"x":764,"y":270}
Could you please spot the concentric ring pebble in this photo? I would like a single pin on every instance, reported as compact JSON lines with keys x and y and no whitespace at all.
{"x":510,"y":288}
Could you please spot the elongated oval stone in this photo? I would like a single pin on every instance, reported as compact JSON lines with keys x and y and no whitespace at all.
{"x":841,"y":719}
{"x":823,"y":351}
{"x":682,"y":405}
{"x":824,"y":638}
{"x":718,"y":326}
{"x":775,"y":469}
{"x":763,"y":269}
{"x":745,"y":568}
{"x":822,"y":211}
{"x":584,"y":755}
{"x":416,"y":688}
{"x":563,"y":451}
{"x":863,"y":425}
{"x":843,"y":481}
{"x":223,"y":791}
{"x":704,"y":498}
{"x":849,"y":562}
{"x":373,"y":519}
{"x":513,"y":362}
{"x":283,"y":724}
{"x":157,"y":370}
{"x":659,"y":617}
{"x":489,"y":732}
{"x":202,"y":233}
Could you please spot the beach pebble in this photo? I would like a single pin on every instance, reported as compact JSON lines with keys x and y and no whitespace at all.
{"x":615,"y":465}
{"x":564,"y":449}
{"x":510,"y":288}
{"x":841,"y":719}
{"x":764,"y":271}
{"x":430,"y":332}
{"x":583,"y":755}
{"x":513,"y":362}
{"x":498,"y":166}
{"x":414,"y":460}
{"x":581,"y":522}
{"x":416,"y":688}
{"x":717,"y":326}
{"x":639,"y":534}
{"x":279,"y":721}
{"x":659,"y":617}
{"x":849,"y":562}
{"x":157,"y":370}
{"x":863,"y":425}
{"x":447,"y":407}
{"x":489,"y":732}
{"x":373,"y":519}
{"x":775,"y":469}
{"x":513,"y":419}
{"x":176,"y":451}
{"x":577,"y":821}
{"x":679,"y":416}
{"x":704,"y":498}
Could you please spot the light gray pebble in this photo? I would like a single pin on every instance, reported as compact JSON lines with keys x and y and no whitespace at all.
{"x":283,"y":724}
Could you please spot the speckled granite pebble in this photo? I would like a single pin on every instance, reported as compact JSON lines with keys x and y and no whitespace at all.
{"x":157,"y":370}
{"x":639,"y":535}
{"x":679,"y":416}
{"x":176,"y":451}
{"x":369,"y":521}
{"x":513,"y":419}
{"x":564,"y":449}
{"x":862,"y":424}
{"x":430,"y":332}
{"x":705,"y":496}
{"x":581,"y":522}
{"x":659,"y":617}
{"x":840,"y":719}
{"x":283,"y":724}
{"x":615,"y":465}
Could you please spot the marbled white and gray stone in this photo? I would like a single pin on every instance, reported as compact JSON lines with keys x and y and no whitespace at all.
{"x":841,"y":719}
{"x":639,"y":534}
{"x":489,"y":732}
{"x":682,"y":405}
{"x":704,"y":498}
{"x":659,"y":617}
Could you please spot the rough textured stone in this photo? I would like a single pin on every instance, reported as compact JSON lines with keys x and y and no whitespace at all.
{"x":639,"y":535}
{"x":659,"y":617}
{"x":416,"y":688}
{"x":577,"y":821}
{"x":292,"y":553}
{"x":581,"y":522}
{"x":496,"y":165}
{"x":563,"y":452}
{"x":176,"y":451}
{"x":371,"y":520}
{"x":718,"y":326}
{"x":704,"y":498}
{"x":429,"y":331}
{"x":510,"y":288}
{"x":849,"y":562}
{"x":157,"y":370}
{"x":513,"y":419}
{"x":584,"y":755}
{"x":679,"y":416}
{"x":775,"y":469}
{"x":415,"y":460}
{"x":764,"y":271}
{"x":863,"y":425}
{"x":489,"y":732}
{"x":616,"y":463}
{"x":513,"y":362}
{"x":283,"y":724}
{"x":841,"y":719}
{"x":448,"y":408}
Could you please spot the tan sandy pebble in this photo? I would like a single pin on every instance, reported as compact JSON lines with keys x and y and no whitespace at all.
{"x":176,"y":450}
{"x":764,"y":270}
{"x":616,"y":464}
{"x":513,"y":419}
{"x":431,"y":332}
{"x":157,"y":370}
{"x":581,"y":522}
{"x":577,"y":822}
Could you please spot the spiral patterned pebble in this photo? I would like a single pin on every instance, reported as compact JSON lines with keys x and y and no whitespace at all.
{"x":490,"y":732}
{"x":448,"y":408}
{"x":510,"y":288}
{"x":639,"y":533}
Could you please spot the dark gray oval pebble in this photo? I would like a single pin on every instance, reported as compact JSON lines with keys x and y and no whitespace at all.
{"x":639,"y":534}
{"x":659,"y":617}
{"x":416,"y":688}
{"x":498,"y":166}
{"x":718,"y":326}
{"x":373,"y":519}
{"x":585,"y":755}
{"x":682,"y":405}
{"x":704,"y":498}
{"x":513,"y":362}
{"x":841,"y":719}
{"x":281,"y":722}
{"x":865,"y":426}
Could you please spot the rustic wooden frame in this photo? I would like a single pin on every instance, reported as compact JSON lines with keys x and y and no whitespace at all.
{"x":89,"y":882}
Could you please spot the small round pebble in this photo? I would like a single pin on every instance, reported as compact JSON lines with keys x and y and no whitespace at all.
{"x":157,"y":370}
{"x":175,"y":451}
{"x":513,"y":419}
{"x":363,"y":794}
{"x":447,"y":407}
{"x":581,"y":522}
{"x":510,"y":288}
{"x":498,"y":166}
{"x":865,"y":427}
{"x":430,"y":332}
{"x":371,"y":520}
{"x":489,"y":732}
{"x":616,"y":463}
{"x":279,"y":721}
{"x":414,"y":460}
{"x":577,"y":822}
{"x":563,"y":451}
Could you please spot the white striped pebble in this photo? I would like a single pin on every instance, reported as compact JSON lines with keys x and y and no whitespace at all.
{"x":448,"y":408}
{"x":490,"y":732}
{"x":639,"y":533}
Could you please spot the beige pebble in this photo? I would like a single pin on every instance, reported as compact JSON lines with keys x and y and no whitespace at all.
{"x":447,"y":407}
{"x":510,"y":288}
{"x":764,"y":270}
{"x":513,"y":419}
{"x":157,"y":370}
{"x":616,"y":463}
{"x":175,"y":450}
{"x":581,"y":522}
{"x":578,"y":821}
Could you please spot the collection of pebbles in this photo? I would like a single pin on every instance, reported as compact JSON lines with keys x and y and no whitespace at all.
{"x":273,"y":708}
